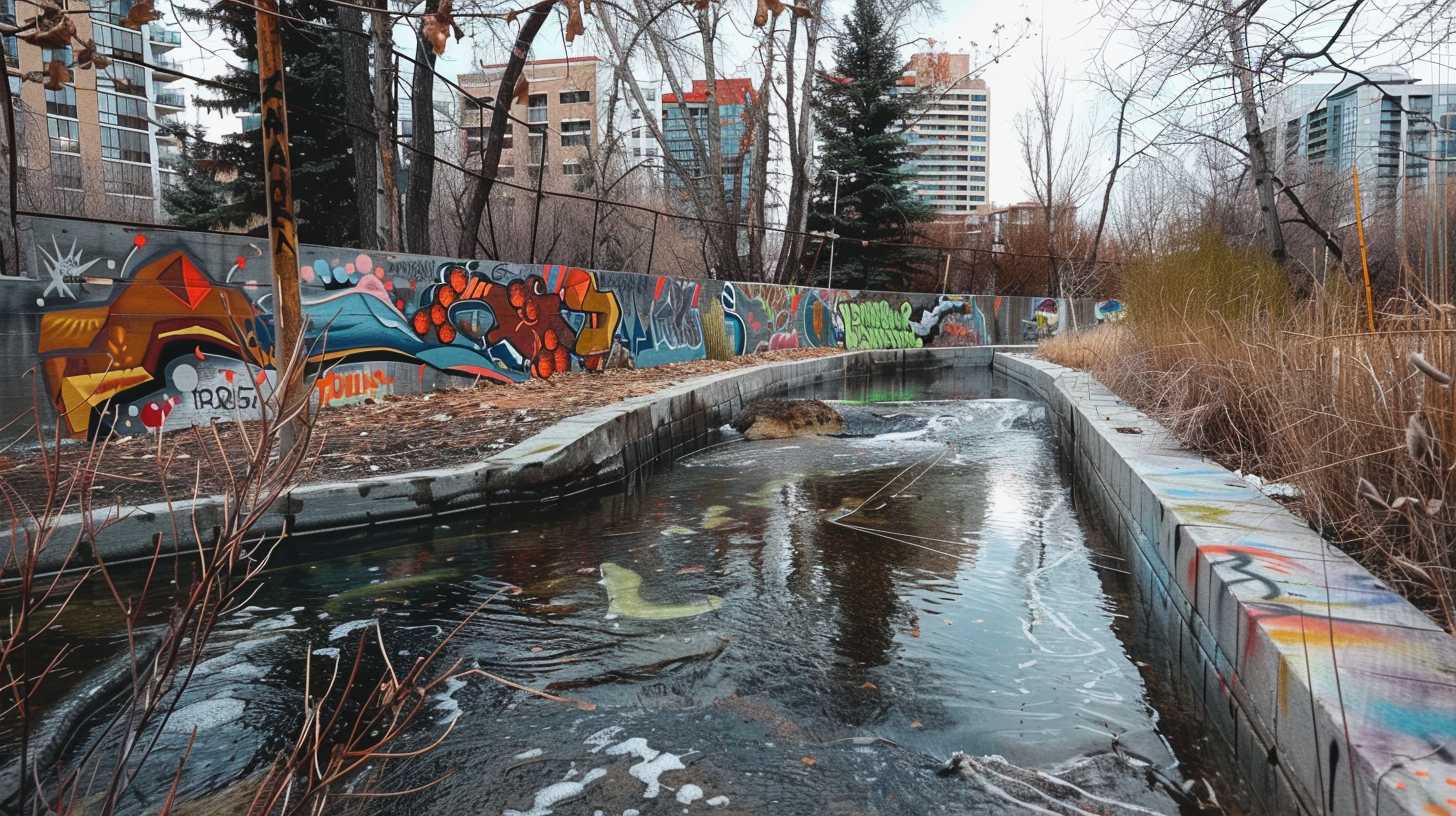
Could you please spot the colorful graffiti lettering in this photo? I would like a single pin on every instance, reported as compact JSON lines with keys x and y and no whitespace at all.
{"x":346,"y":388}
{"x":661,"y":319}
{"x":1109,"y":311}
{"x":875,"y":325}
{"x":139,"y":331}
{"x":952,"y":321}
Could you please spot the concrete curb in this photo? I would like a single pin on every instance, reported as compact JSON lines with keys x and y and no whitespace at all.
{"x":1334,"y":693}
{"x":595,"y":450}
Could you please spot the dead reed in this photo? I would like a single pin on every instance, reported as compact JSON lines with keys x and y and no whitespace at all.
{"x":1300,"y":392}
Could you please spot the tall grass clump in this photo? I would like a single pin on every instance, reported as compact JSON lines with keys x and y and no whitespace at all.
{"x":1298,"y":390}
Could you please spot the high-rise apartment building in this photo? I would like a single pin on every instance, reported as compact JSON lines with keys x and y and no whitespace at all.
{"x":571,"y":119}
{"x":680,"y":119}
{"x":103,"y":144}
{"x":950,"y":134}
{"x":1398,"y":133}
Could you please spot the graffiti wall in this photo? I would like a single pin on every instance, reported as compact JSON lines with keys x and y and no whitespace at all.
{"x":131,"y":329}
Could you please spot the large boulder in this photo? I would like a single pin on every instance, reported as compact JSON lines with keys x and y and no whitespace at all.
{"x":782,"y":419}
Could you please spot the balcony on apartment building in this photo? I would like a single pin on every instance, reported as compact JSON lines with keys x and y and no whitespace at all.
{"x":171,"y":100}
{"x":163,"y":38}
{"x":165,"y":68}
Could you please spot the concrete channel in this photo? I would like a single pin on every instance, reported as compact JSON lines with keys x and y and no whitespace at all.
{"x":1333,"y":693}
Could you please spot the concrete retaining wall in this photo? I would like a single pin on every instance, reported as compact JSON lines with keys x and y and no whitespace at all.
{"x":1334,"y":693}
{"x":596,"y":450}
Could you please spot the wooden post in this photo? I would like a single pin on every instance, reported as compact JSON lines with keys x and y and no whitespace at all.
{"x":1364,"y":259}
{"x":282,"y":229}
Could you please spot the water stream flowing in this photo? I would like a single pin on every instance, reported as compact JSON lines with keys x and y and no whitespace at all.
{"x":791,"y":627}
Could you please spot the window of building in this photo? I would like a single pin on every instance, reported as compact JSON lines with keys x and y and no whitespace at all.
{"x":65,"y":135}
{"x":573,"y":168}
{"x":123,"y":77}
{"x":126,"y":145}
{"x":576,"y":132}
{"x":536,"y":108}
{"x":118,"y":41}
{"x":124,"y":111}
{"x":537,"y":143}
{"x":62,"y":102}
{"x":126,"y":179}
{"x":573,"y":97}
{"x":66,"y":171}
{"x":978,"y":97}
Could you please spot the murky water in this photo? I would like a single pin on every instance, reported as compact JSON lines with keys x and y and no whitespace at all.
{"x":810,"y":626}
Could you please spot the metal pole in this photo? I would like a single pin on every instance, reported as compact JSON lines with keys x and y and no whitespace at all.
{"x":596,"y":216}
{"x":14,"y":163}
{"x":834,"y":230}
{"x":540,"y":177}
{"x":945,"y":279}
{"x":1364,"y":261}
{"x":282,"y":229}
{"x":652,"y":248}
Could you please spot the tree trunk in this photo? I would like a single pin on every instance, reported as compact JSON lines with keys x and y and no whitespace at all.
{"x":357,"y":99}
{"x":1254,"y":135}
{"x":386,"y":203}
{"x":480,"y":186}
{"x":422,"y":158}
{"x":758,"y":177}
{"x":801,"y":145}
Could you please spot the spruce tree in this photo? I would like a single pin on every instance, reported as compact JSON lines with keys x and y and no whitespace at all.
{"x":323,"y":167}
{"x":861,"y":122}
{"x":196,"y":200}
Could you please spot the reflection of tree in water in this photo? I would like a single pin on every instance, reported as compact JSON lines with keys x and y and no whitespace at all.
{"x":928,"y":519}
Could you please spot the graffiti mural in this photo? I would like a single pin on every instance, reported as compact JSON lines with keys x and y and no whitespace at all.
{"x":138,"y":329}
{"x":875,"y":324}
{"x":661,"y":317}
{"x":1109,"y":311}
{"x":764,"y":317}
{"x":952,"y":321}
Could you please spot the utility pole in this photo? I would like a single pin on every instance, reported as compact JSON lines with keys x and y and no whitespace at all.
{"x":834,"y":230}
{"x":282,"y":230}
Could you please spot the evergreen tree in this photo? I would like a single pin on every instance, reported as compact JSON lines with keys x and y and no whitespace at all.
{"x":861,"y":122}
{"x":196,"y":201}
{"x":323,"y":166}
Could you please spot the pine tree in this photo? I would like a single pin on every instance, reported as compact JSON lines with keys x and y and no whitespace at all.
{"x":323,"y":167}
{"x":861,"y":122}
{"x":195,"y":201}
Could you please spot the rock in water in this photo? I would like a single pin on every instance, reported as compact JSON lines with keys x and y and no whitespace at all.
{"x":782,"y":419}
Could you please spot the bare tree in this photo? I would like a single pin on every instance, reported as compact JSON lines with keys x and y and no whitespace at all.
{"x":1056,"y":158}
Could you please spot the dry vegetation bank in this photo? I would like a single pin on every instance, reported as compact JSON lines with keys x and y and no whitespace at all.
{"x":1300,"y":392}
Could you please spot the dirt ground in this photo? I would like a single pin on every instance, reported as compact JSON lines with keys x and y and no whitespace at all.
{"x":394,"y":435}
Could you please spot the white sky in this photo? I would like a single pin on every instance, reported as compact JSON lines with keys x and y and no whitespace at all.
{"x":1070,"y":30}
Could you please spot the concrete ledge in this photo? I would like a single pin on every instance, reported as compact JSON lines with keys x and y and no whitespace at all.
{"x":1335,"y":695}
{"x":600,"y":449}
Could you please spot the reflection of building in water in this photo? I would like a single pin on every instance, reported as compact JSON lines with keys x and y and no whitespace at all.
{"x":928,"y":527}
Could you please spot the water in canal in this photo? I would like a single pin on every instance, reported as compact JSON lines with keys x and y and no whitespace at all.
{"x":812,"y":626}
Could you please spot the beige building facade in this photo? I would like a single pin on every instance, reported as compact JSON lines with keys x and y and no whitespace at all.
{"x":102,"y":145}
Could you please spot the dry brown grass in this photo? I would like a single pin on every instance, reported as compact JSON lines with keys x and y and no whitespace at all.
{"x":1304,"y":394}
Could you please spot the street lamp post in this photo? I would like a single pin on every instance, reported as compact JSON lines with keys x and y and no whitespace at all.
{"x":833,"y":232}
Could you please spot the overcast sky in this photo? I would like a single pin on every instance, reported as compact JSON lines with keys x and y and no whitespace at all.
{"x":1070,"y":31}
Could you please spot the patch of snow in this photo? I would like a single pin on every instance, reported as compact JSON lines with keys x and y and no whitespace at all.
{"x":718,"y":801}
{"x":1275,"y":489}
{"x":689,"y":794}
{"x":531,"y":754}
{"x":603,"y":738}
{"x":556,"y":794}
{"x":653,"y":765}
{"x":344,"y":629}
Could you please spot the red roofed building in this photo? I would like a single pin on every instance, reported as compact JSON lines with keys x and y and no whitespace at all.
{"x":678,"y":115}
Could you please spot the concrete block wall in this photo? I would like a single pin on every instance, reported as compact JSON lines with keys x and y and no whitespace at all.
{"x":1335,"y":695}
{"x":132,"y":329}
